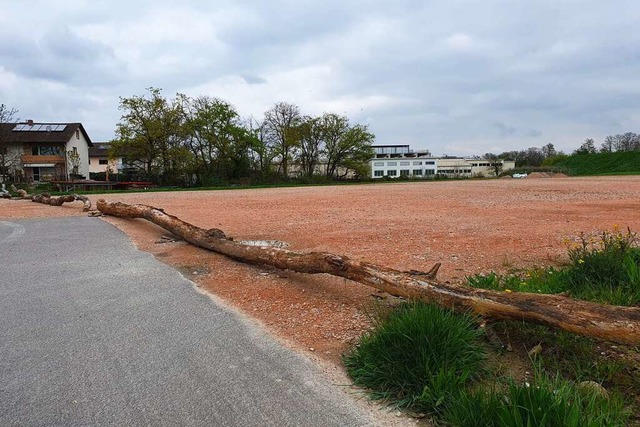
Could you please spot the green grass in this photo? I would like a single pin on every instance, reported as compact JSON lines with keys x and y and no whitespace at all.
{"x":603,"y":269}
{"x":544,"y":402}
{"x":430,"y":360}
{"x":619,"y":163}
{"x":419,"y":356}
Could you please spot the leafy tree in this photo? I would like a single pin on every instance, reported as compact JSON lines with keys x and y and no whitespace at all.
{"x":281,"y":126}
{"x":312,"y":138}
{"x":149,"y":136}
{"x":587,"y":147}
{"x":347,"y":148}
{"x":9,"y":158}
{"x":260,"y":152}
{"x":215,"y":136}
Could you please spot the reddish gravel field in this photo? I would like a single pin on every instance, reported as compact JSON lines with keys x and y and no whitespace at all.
{"x":468,"y":226}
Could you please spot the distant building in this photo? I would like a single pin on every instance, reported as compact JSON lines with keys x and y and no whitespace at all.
{"x":38,"y":152}
{"x":399,"y":160}
{"x":99,"y":161}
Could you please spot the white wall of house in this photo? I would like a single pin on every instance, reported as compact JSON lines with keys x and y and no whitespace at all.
{"x":81,"y":145}
{"x":100,"y":164}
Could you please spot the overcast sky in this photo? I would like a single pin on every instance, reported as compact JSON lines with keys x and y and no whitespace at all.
{"x":456,"y":77}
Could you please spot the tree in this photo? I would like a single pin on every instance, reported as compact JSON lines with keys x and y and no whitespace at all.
{"x":260,"y":152}
{"x":149,"y":136}
{"x":281,"y":126}
{"x":347,"y":148}
{"x":587,"y":147}
{"x":549,"y":150}
{"x":214,"y":133}
{"x":312,"y":135}
{"x":9,"y":159}
{"x":495,"y":163}
{"x":608,"y":145}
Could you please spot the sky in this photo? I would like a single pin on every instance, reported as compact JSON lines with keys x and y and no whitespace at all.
{"x":454,"y":77}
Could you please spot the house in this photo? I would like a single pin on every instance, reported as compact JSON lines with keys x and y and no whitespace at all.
{"x":36,"y":152}
{"x":99,"y":161}
{"x":399,"y":160}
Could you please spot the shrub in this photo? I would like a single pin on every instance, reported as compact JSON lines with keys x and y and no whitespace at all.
{"x":420,"y":356}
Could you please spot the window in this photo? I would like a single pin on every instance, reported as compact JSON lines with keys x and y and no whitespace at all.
{"x":378,"y":163}
{"x":46,"y":151}
{"x":429,"y":172}
{"x":378,"y":173}
{"x":103,"y":162}
{"x":417,"y":172}
{"x":392,"y":163}
{"x":417,"y":163}
{"x":392,"y":173}
{"x":429,"y":163}
{"x":404,"y":172}
{"x":404,"y":163}
{"x":77,"y":133}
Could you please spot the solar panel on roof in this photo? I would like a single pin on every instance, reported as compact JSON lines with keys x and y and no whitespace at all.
{"x":39,"y":128}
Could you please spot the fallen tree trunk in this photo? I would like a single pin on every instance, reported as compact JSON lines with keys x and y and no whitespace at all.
{"x":59,"y":200}
{"x":613,"y":323}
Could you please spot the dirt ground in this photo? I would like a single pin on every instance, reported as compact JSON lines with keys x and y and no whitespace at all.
{"x":468,"y":226}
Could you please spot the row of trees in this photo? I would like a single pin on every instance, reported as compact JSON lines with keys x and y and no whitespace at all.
{"x":628,"y":141}
{"x":547,"y":155}
{"x":531,"y":157}
{"x":175,"y":140}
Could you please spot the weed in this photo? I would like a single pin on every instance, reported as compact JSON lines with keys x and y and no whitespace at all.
{"x":603,"y":268}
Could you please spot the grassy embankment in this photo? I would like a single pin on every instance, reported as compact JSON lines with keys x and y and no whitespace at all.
{"x":620,"y":163}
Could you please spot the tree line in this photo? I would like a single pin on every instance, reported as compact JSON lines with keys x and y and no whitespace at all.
{"x":548,"y":155}
{"x":627,"y":141}
{"x":203,"y":141}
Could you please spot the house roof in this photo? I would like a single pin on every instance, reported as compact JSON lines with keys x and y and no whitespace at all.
{"x":99,"y":149}
{"x":44,"y":135}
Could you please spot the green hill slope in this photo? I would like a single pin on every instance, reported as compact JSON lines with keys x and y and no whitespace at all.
{"x":621,"y":163}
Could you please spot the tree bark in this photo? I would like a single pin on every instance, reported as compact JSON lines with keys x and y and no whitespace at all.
{"x":59,"y":200}
{"x":613,"y":323}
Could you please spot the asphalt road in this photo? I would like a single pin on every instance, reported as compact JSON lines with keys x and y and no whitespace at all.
{"x":95,"y":332}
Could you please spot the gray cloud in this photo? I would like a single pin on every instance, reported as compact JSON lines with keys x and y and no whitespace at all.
{"x":447,"y":76}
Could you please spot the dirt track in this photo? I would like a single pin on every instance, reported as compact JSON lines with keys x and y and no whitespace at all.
{"x":468,"y":226}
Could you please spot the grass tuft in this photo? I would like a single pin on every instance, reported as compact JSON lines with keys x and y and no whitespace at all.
{"x":603,"y":268}
{"x":545,"y":402}
{"x":419,"y":356}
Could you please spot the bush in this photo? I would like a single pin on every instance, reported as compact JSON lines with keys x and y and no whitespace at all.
{"x":420,"y":356}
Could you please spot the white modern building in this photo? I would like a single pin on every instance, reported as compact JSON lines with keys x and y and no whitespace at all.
{"x":399,"y":160}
